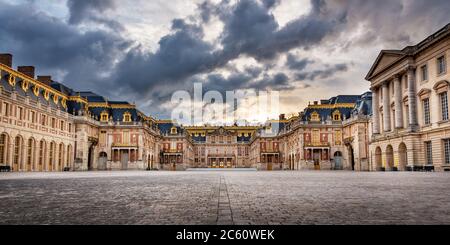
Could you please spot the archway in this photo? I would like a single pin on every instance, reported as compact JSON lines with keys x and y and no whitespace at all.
{"x":378,"y":159}
{"x":338,"y":160}
{"x":102,"y":161}
{"x":402,"y":157}
{"x":389,"y":158}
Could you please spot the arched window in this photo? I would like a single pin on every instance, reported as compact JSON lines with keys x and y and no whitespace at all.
{"x":336,"y":115}
{"x":30,"y":151}
{"x":60,"y":156}
{"x":3,"y":147}
{"x":104,"y":116}
{"x":315,"y":117}
{"x":69,"y":154}
{"x":127,"y":117}
{"x":41,"y":154}
{"x":17,"y":150}
{"x":51,"y":156}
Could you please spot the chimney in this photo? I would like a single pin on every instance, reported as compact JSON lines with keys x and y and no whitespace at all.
{"x":6,"y":59}
{"x":45,"y":79}
{"x":316,"y":102}
{"x":282,"y":116}
{"x":27,"y":70}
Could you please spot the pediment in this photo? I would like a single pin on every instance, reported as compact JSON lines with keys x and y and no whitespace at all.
{"x":221,"y":131}
{"x":384,"y":59}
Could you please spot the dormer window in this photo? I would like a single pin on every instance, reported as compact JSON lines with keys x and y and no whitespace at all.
{"x":104,"y":116}
{"x":127,"y":117}
{"x":336,"y":115}
{"x":315,"y":117}
{"x":173,"y":130}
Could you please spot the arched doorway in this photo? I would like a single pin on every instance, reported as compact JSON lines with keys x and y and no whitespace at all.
{"x":378,"y":160}
{"x":51,"y":157}
{"x":389,"y":158}
{"x":102,"y":161}
{"x":338,"y":160}
{"x":402,"y":157}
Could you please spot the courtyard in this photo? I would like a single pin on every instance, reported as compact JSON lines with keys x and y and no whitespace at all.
{"x":225,"y":197}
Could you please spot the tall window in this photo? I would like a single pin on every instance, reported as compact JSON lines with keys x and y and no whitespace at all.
{"x":69,"y":154}
{"x":30,"y":152}
{"x":424,"y":72}
{"x":441,"y":65}
{"x":429,"y":154}
{"x":2,"y":148}
{"x":447,"y":151}
{"x":426,"y":111}
{"x":43,"y":120}
{"x":41,"y":152}
{"x":17,"y":149}
{"x":5,"y":110}
{"x":32,"y":116}
{"x":52,"y":156}
{"x":60,"y":155}
{"x":444,"y":106}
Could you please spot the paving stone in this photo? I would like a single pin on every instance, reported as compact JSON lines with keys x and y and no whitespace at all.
{"x":225,"y":198}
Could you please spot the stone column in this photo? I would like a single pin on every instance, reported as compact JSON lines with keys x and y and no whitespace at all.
{"x":386,"y":108}
{"x":412,"y":100}
{"x":398,"y":102}
{"x":375,"y":111}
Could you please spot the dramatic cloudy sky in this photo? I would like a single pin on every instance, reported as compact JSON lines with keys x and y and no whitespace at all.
{"x":142,"y":51}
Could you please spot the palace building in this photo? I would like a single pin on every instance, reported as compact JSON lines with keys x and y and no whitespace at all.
{"x":46,"y":126}
{"x":403,"y":124}
{"x":410,"y":123}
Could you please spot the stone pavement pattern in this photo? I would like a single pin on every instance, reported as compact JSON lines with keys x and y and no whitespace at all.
{"x":225,"y":198}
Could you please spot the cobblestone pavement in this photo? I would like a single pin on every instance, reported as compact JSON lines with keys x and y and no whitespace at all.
{"x":225,"y":198}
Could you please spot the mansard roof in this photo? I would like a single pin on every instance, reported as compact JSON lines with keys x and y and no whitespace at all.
{"x":11,"y":80}
{"x":346,"y":105}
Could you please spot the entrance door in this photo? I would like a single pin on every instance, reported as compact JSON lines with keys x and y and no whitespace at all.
{"x":338,"y":163}
{"x":316,"y":158}
{"x":269,"y":163}
{"x":173,"y":163}
{"x":102,"y":161}
{"x":124,"y":160}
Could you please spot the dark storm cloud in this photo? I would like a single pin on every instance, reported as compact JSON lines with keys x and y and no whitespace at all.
{"x":392,"y":23}
{"x":297,"y":64}
{"x":322,"y":74}
{"x":84,"y":9}
{"x":181,"y":55}
{"x":51,"y":44}
{"x":251,"y":29}
{"x":99,"y":59}
{"x":245,"y":80}
{"x":93,"y":11}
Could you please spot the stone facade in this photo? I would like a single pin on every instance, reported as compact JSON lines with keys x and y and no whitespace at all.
{"x":46,"y":126}
{"x":410,"y":124}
